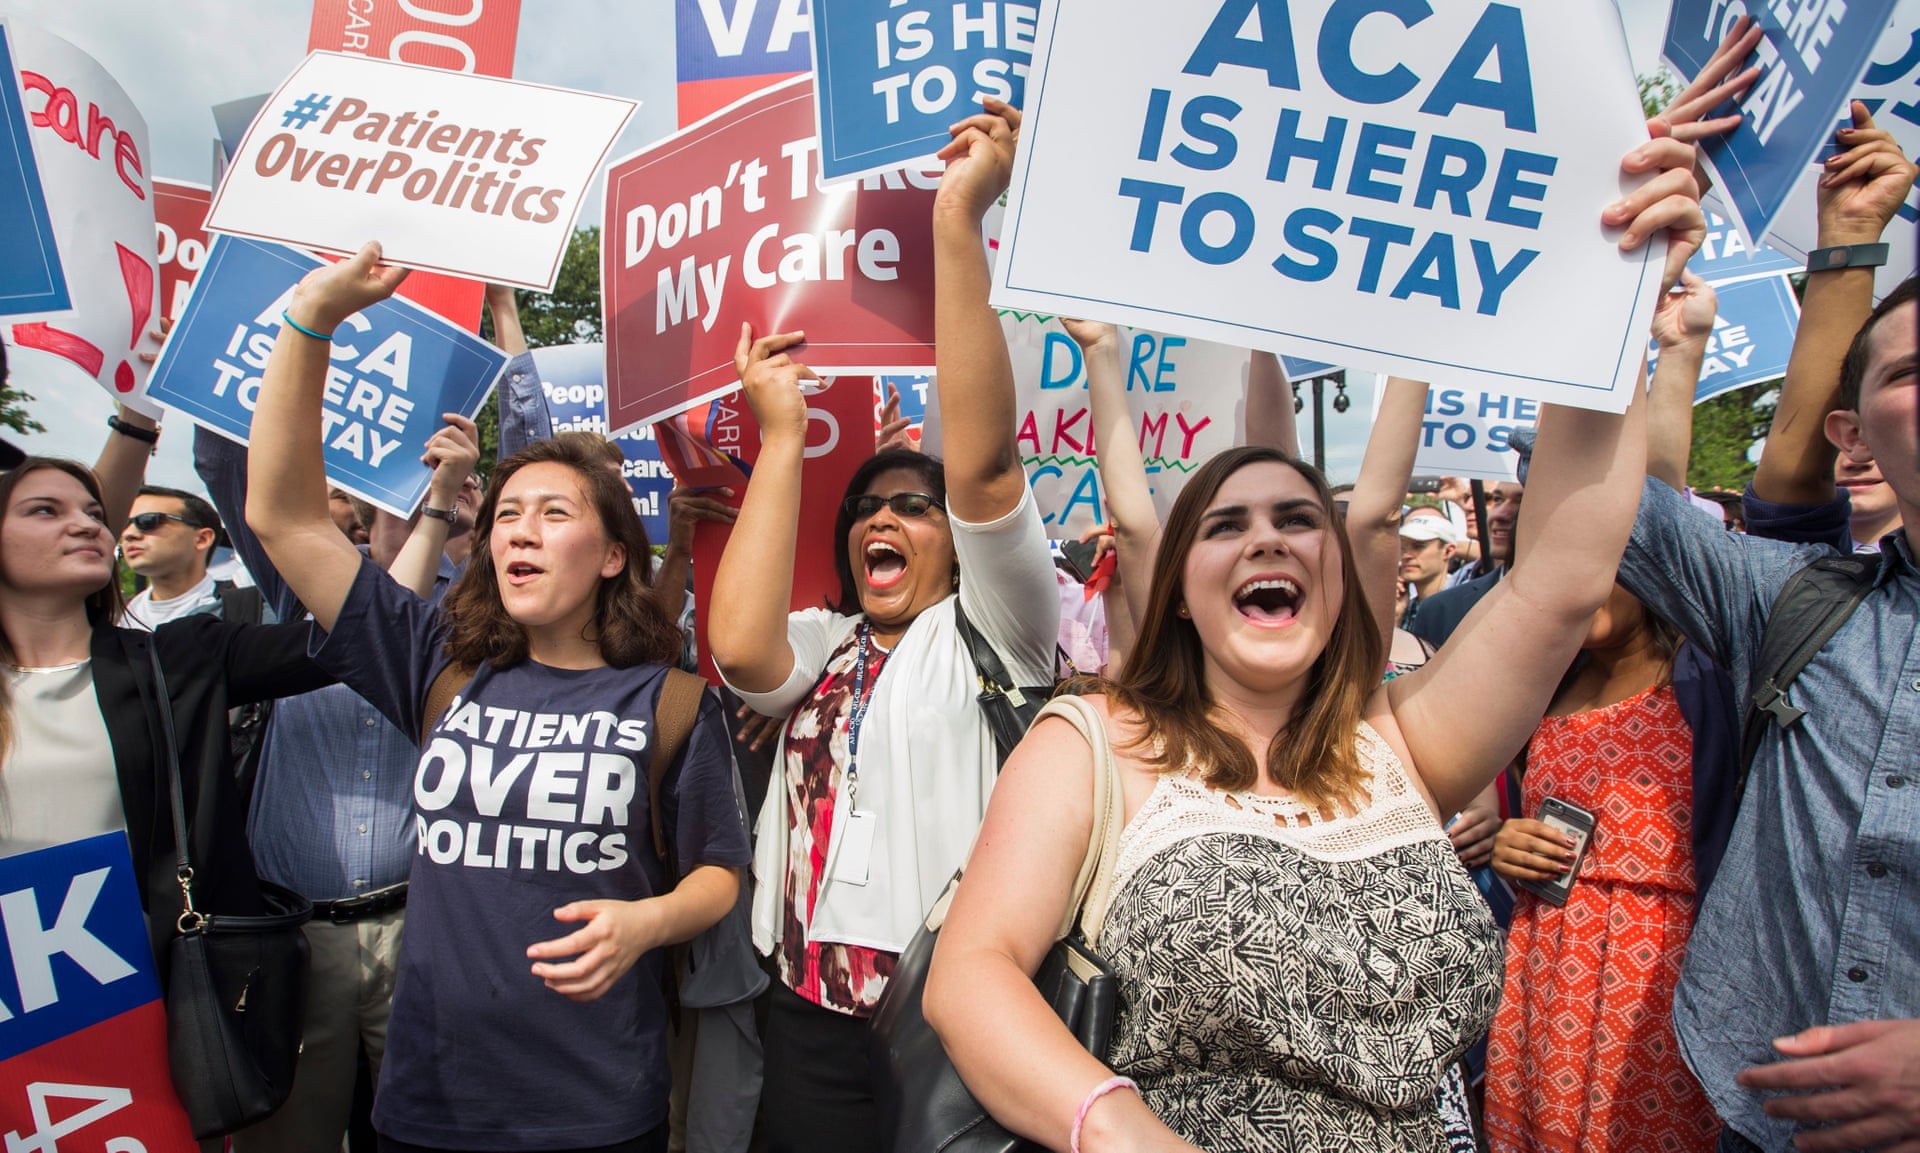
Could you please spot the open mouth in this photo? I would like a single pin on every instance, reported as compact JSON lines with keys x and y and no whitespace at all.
{"x":886,"y":565}
{"x":520,"y":572}
{"x":1268,"y":601}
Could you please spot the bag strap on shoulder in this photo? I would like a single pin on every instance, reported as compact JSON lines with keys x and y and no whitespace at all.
{"x":996,"y":683}
{"x":1812,"y":606}
{"x":1093,"y":884}
{"x":242,"y":603}
{"x":450,"y":683}
{"x":674,"y":715}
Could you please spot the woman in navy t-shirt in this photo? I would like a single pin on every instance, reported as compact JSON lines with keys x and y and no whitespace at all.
{"x":528,"y":1012}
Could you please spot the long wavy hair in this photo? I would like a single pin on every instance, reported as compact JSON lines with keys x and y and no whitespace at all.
{"x":628,"y":625}
{"x":104,"y":604}
{"x":1164,"y":679}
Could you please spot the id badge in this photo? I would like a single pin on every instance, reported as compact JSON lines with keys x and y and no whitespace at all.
{"x":855,"y":857}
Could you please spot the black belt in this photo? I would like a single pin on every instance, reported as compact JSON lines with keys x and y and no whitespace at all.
{"x":355,"y":908}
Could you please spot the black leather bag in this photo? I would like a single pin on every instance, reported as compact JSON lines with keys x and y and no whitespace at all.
{"x":1008,"y":708}
{"x":923,"y":1105}
{"x":236,"y":989}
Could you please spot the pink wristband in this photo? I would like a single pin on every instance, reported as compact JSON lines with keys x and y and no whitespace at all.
{"x":1099,"y":1091}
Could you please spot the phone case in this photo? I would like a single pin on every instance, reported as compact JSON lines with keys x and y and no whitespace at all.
{"x":1578,"y":823}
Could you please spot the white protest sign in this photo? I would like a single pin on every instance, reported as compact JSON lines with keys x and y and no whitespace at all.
{"x":1465,"y":432}
{"x":1891,"y":91}
{"x":1380,"y":187}
{"x":91,"y":144}
{"x":463,"y":174}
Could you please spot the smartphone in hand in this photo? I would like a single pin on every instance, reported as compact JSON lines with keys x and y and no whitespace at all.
{"x":1578,"y":824}
{"x":1079,"y":558}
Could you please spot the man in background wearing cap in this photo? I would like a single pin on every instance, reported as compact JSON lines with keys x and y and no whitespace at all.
{"x":1428,"y":541}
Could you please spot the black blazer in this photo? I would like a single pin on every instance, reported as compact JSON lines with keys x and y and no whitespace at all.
{"x":210,"y":664}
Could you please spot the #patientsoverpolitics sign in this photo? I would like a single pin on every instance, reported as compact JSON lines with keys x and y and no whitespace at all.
{"x":395,"y":369}
{"x":1812,"y":54}
{"x":83,"y":1034}
{"x":454,"y":173}
{"x":1401,"y":188}
{"x":891,"y":75}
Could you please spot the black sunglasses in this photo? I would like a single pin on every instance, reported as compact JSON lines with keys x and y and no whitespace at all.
{"x":151,"y":521}
{"x":902,"y":503}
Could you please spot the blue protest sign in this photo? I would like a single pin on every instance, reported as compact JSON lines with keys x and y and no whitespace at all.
{"x":1725,"y":256}
{"x":1752,"y":337}
{"x":1301,"y":369}
{"x":914,"y":393}
{"x":717,"y":39}
{"x":1809,"y":63}
{"x":891,"y":75}
{"x":31,"y":280}
{"x":396,"y":367}
{"x":574,"y":377}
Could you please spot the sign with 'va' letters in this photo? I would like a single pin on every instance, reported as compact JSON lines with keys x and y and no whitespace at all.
{"x":1390,"y":186}
{"x":31,"y":280}
{"x":469,"y":175}
{"x":726,"y":222}
{"x":1752,"y":337}
{"x":574,"y":379}
{"x":890,"y":76}
{"x":1890,"y":89}
{"x":83,"y":1033}
{"x":1810,"y":56}
{"x":395,"y":369}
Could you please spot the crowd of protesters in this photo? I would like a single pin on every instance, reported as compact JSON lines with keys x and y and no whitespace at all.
{"x":1346,"y":911}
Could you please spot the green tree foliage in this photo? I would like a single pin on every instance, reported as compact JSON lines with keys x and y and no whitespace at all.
{"x":1724,"y":432}
{"x":568,"y":315}
{"x":13,"y":411}
{"x":1657,"y":91}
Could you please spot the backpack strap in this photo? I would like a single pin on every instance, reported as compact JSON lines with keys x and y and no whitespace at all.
{"x":452,"y":681}
{"x":674,"y":714}
{"x":237,"y":603}
{"x":1812,"y":606}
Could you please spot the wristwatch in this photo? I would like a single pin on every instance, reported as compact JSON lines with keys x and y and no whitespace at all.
{"x":450,"y":515}
{"x":1846,"y":256}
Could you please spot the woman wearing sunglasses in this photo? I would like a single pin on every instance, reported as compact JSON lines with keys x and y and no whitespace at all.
{"x":885,"y":759}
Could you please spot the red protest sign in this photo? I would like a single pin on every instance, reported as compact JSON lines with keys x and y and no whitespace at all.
{"x":180,"y":219}
{"x":839,"y":440}
{"x":458,"y":35}
{"x":725,"y":222}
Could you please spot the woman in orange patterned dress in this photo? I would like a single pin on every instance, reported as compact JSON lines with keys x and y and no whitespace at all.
{"x":1583,"y":1055}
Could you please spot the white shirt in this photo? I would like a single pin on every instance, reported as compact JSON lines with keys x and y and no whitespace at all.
{"x":59,"y":778}
{"x":143,"y":611}
{"x":933,"y":762}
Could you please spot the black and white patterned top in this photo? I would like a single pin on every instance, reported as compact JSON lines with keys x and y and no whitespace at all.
{"x":1294,"y":979}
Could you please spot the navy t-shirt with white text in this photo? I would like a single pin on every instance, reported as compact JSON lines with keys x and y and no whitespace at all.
{"x":530,"y":793}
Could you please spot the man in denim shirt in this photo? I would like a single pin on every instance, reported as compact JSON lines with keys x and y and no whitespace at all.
{"x":1798,"y":1001}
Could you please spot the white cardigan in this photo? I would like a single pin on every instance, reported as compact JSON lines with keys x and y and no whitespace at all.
{"x":930,"y":760}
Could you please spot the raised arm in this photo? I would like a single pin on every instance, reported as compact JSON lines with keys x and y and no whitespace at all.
{"x":1373,"y":508}
{"x":686,"y":508}
{"x":1582,"y":494}
{"x":1271,"y":420}
{"x":451,"y":453}
{"x":1863,"y":188}
{"x":287,"y":475}
{"x":1682,"y":325}
{"x":122,"y":467}
{"x":975,"y":373}
{"x":1123,"y":471}
{"x":524,"y":415}
{"x":747,"y":621}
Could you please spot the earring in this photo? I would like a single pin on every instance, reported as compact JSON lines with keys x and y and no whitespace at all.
{"x":1182,"y":612}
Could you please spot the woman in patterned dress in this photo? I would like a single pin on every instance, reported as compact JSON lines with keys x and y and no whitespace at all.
{"x":1300,"y":954}
{"x":1583,"y":1055}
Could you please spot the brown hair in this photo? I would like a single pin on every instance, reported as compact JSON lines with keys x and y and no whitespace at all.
{"x":593,"y":444}
{"x":1164,"y":680}
{"x":628,"y":624}
{"x":104,"y":604}
{"x":1853,"y":370}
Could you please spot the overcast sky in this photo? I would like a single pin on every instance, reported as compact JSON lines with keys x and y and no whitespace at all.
{"x":179,"y":58}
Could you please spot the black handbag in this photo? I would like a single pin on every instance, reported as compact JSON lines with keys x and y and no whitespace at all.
{"x":923,"y":1105}
{"x":236,"y":989}
{"x":1010,"y":710}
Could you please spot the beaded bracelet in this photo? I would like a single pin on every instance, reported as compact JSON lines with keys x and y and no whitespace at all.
{"x":1099,"y":1091}
{"x":303,"y":328}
